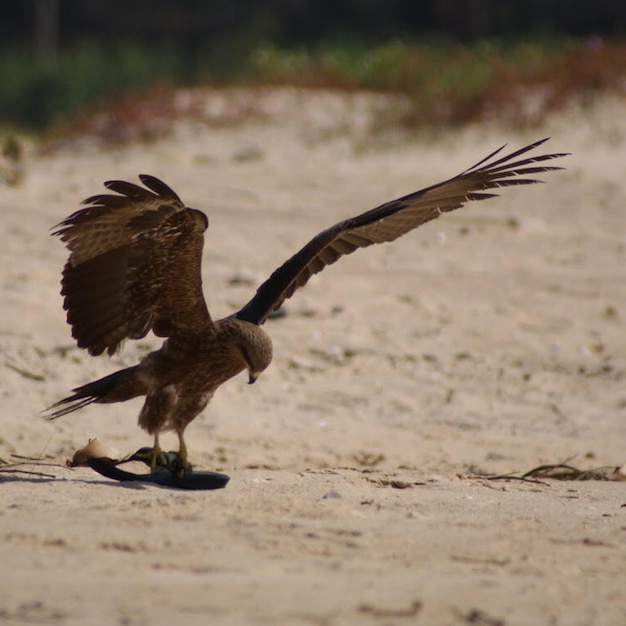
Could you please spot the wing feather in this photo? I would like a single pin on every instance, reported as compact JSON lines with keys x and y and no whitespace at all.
{"x":134,"y":266}
{"x":393,"y":219}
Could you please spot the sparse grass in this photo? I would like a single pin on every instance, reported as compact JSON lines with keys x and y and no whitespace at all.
{"x":454,"y":84}
{"x":446,"y":84}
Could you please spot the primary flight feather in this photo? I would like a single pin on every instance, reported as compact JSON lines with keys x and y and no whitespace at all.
{"x":135,"y":266}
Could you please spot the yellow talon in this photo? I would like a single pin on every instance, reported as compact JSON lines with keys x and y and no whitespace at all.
{"x":156,"y":456}
{"x":182,"y":456}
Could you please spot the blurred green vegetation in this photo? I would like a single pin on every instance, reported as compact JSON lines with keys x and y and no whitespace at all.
{"x":434,"y":69}
{"x":34,"y":96}
{"x":450,"y":83}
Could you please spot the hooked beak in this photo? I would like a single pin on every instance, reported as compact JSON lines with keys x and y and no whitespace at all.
{"x":253,"y":377}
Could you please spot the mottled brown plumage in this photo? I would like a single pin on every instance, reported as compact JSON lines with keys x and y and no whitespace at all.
{"x":135,"y":266}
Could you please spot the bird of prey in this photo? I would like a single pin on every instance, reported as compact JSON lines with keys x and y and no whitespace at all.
{"x":134,"y":266}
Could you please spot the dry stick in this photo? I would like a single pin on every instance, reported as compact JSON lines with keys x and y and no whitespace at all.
{"x":4,"y":470}
{"x":12,"y":468}
{"x":571,"y":473}
{"x":8,"y":468}
{"x":510,"y":476}
{"x":24,"y":373}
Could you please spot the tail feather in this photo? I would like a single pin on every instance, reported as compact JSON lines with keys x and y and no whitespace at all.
{"x":85,"y":395}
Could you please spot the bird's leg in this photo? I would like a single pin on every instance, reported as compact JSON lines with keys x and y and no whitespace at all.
{"x":154,"y":457}
{"x":157,"y":457}
{"x":182,"y":453}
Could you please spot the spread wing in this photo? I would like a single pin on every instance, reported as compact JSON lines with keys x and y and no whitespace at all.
{"x":134,"y":266}
{"x":393,"y":219}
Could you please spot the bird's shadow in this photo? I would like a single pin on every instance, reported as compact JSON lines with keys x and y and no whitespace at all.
{"x":194,"y":481}
{"x":30,"y":477}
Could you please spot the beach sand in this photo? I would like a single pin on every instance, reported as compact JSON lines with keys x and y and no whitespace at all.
{"x":490,"y":341}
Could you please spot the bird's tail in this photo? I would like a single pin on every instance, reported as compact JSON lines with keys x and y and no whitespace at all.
{"x":111,"y":388}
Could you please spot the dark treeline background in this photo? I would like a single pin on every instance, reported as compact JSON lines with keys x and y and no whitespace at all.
{"x":61,"y":57}
{"x":190,"y":23}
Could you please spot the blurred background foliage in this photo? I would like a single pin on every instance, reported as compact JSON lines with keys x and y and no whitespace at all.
{"x":59,"y":58}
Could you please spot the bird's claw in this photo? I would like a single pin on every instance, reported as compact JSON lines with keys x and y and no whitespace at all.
{"x":160,"y":461}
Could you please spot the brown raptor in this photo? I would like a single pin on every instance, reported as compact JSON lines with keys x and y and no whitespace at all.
{"x":135,"y":266}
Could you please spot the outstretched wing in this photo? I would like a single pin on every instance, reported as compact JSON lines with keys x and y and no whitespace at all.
{"x":391,"y":220}
{"x":134,"y":266}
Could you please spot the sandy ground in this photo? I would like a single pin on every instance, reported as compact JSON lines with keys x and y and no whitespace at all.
{"x":489,"y":341}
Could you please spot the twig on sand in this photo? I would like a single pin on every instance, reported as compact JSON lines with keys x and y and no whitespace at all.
{"x":512,"y":476}
{"x":5,"y":470}
{"x":562,"y":471}
{"x":24,"y":372}
{"x":15,"y":467}
{"x":410,"y":611}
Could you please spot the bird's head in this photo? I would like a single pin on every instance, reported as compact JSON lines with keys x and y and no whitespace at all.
{"x":255,"y":347}
{"x":258,"y":356}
